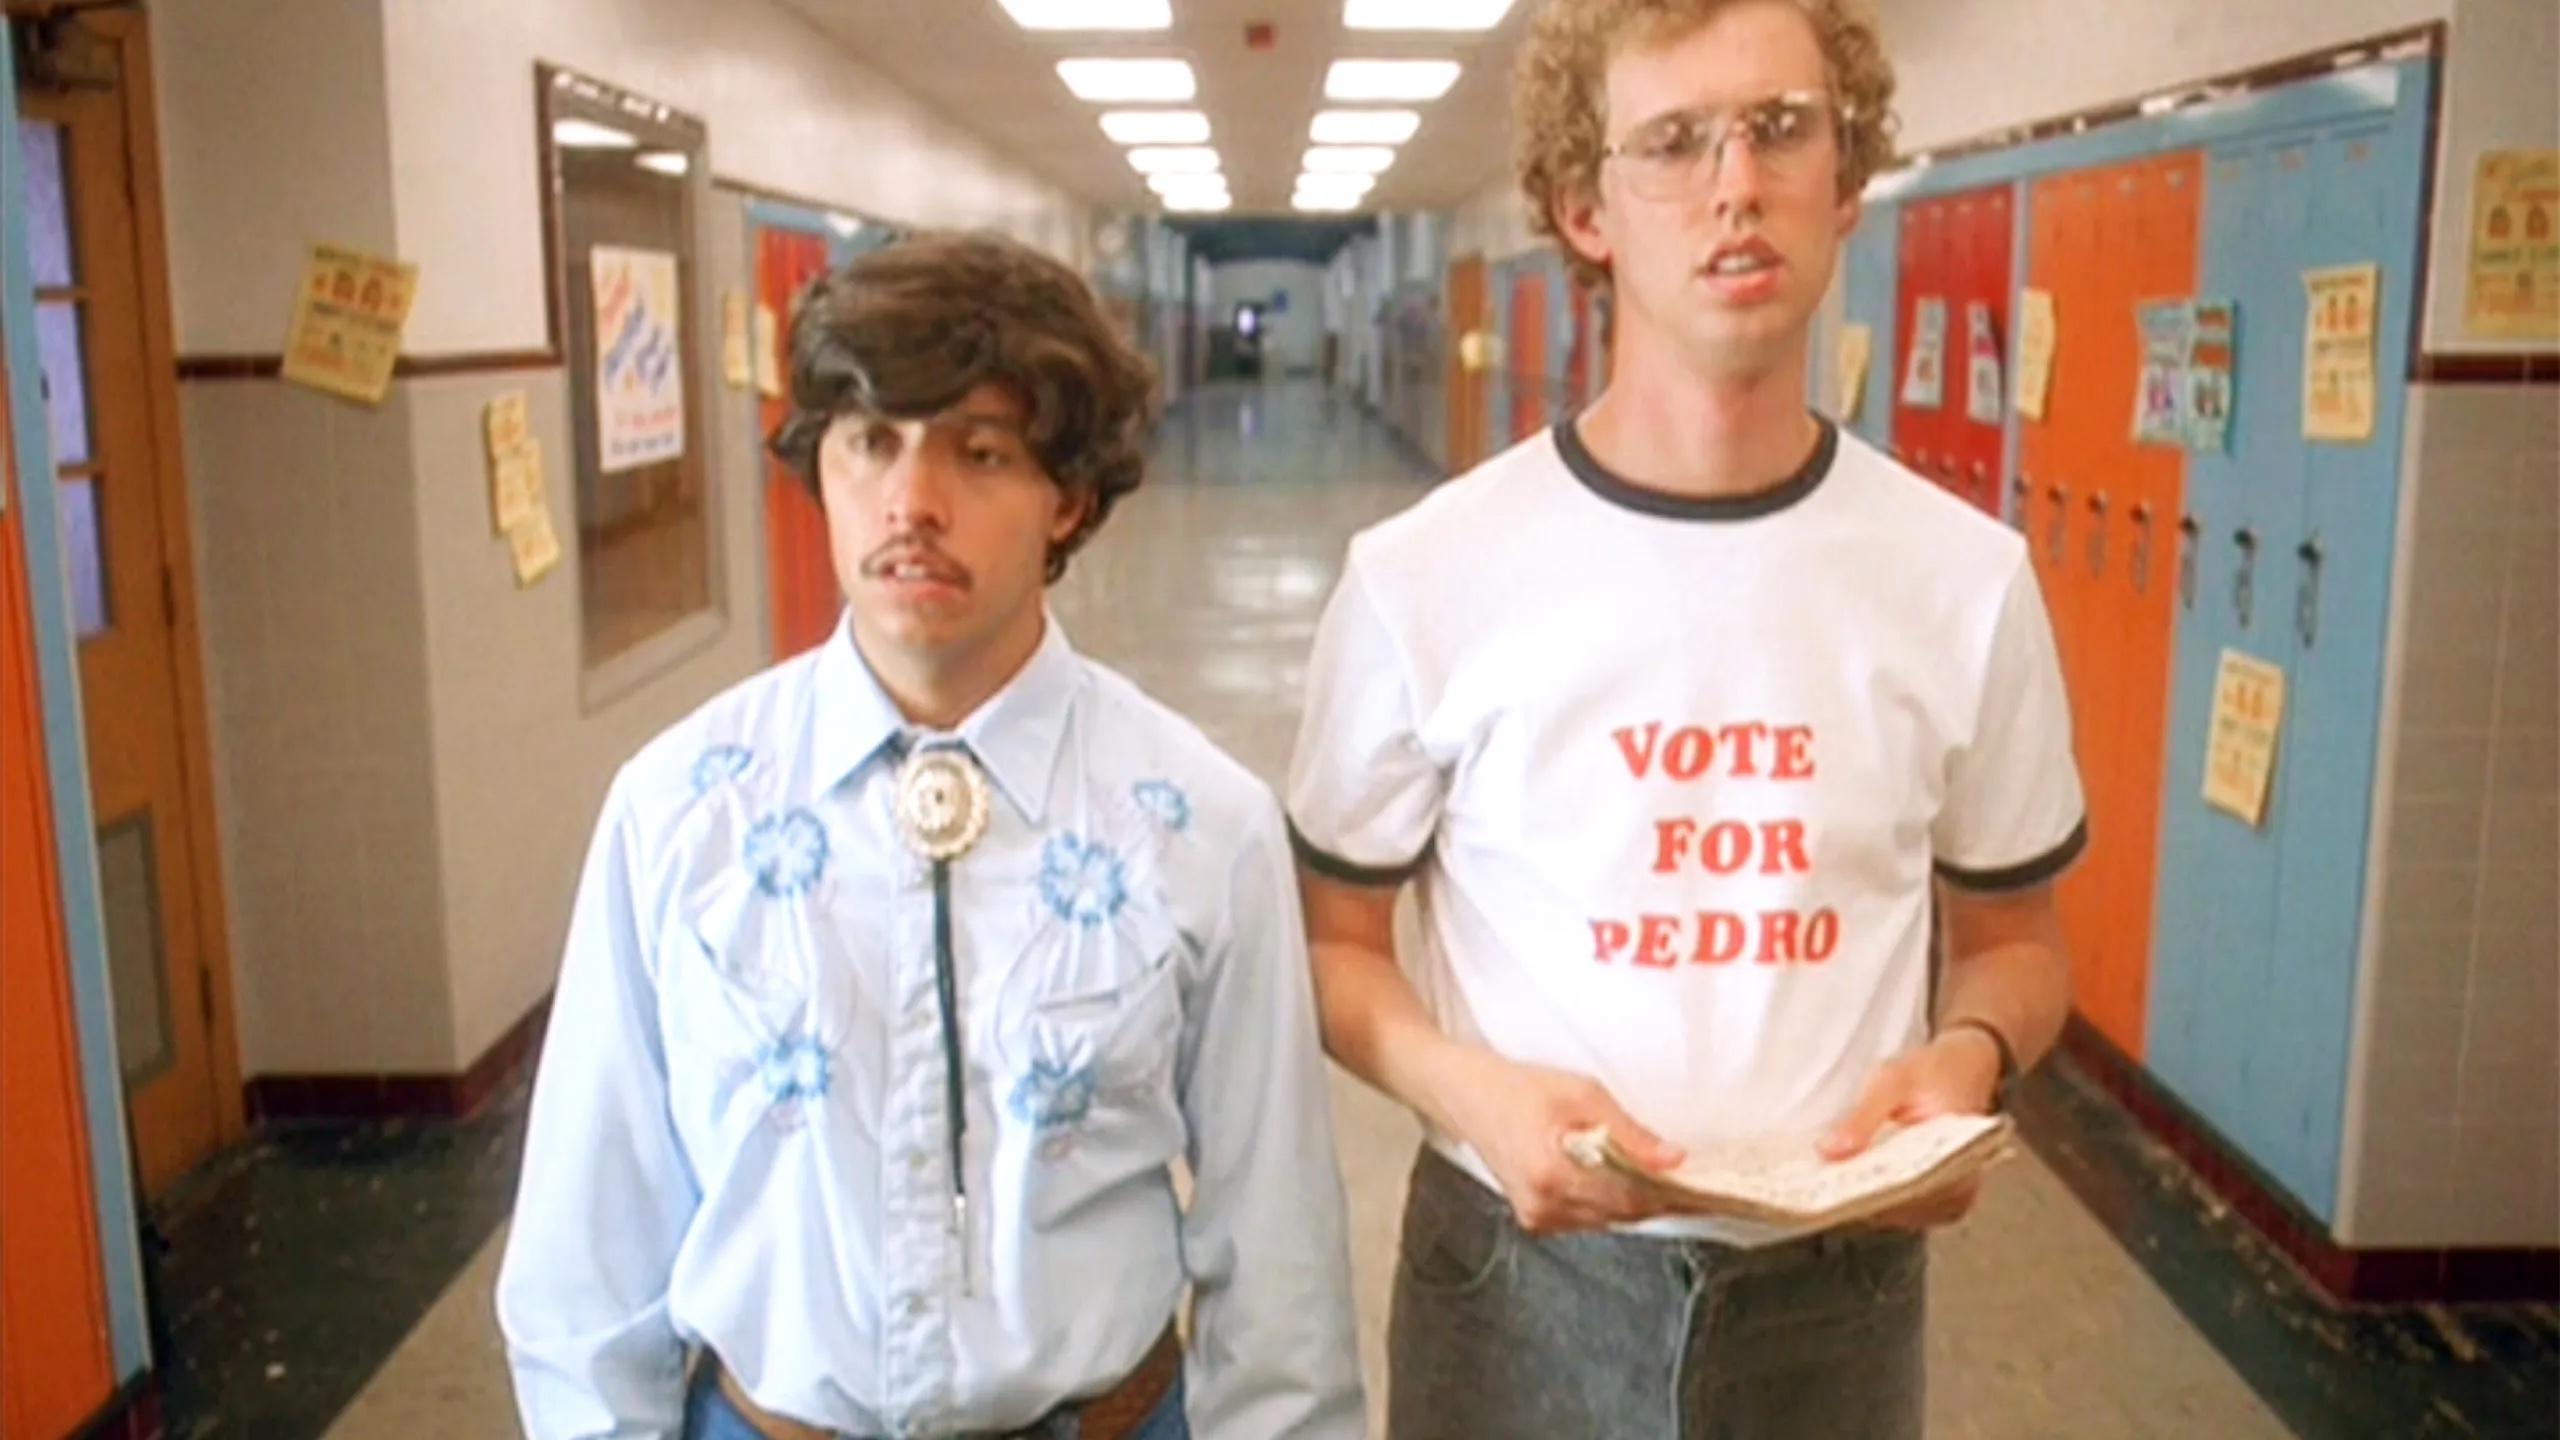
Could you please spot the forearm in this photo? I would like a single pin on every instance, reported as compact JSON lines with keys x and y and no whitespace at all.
{"x":2020,"y":984}
{"x":1376,"y":1027}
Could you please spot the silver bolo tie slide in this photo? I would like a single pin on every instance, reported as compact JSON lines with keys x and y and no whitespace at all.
{"x":942,"y":810}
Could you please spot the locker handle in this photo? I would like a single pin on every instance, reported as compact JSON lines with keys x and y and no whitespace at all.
{"x":2187,"y":529}
{"x":2098,"y":533}
{"x":1982,"y":487}
{"x":2061,"y":499}
{"x":2141,"y":546}
{"x":2243,"y":581}
{"x":2019,"y":489}
{"x":2306,"y":601}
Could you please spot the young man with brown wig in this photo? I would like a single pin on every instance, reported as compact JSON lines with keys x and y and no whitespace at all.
{"x":901,"y":974}
{"x":1683,"y":719}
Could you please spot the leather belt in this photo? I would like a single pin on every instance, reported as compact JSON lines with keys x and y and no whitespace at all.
{"x":1114,"y":1414}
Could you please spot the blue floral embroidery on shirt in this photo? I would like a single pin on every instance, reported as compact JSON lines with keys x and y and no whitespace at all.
{"x":1165,"y":803}
{"x":787,"y":853}
{"x":1054,"y":1094}
{"x":793,"y":1068}
{"x":719,"y":765}
{"x":1082,"y":880}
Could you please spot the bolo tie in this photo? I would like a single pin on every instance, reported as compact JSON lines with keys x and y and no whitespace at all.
{"x":942,"y":810}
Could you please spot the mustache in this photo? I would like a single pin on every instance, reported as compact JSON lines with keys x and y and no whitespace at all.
{"x":915,"y":550}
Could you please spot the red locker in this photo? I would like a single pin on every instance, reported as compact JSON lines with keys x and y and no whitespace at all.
{"x":1528,"y":350}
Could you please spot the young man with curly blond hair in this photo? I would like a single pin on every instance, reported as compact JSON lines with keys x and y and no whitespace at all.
{"x":1687,"y":721}
{"x":902,"y":973}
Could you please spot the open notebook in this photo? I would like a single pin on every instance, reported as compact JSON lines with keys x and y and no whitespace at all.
{"x":1784,"y":1180}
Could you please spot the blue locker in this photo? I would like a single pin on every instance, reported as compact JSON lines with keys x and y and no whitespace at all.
{"x":2291,"y":549}
{"x":1868,"y":268}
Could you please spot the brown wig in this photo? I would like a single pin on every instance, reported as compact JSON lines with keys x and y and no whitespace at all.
{"x":906,"y":331}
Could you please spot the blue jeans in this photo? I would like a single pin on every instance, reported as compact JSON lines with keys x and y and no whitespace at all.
{"x":708,"y":1415}
{"x":1497,"y":1334}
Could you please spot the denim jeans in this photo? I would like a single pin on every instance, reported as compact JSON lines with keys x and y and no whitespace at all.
{"x":708,"y":1415}
{"x":1497,"y":1334}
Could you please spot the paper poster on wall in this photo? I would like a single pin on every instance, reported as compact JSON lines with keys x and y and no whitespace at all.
{"x":347,"y":321}
{"x":2240,"y":749}
{"x":2158,"y":409}
{"x":535,"y":546}
{"x":1924,"y":379}
{"x":766,"y":339}
{"x":515,"y":462}
{"x":1982,"y":365}
{"x":1849,"y":361}
{"x":2212,"y":335}
{"x":2514,"y":290}
{"x":2035,"y":351}
{"x":2337,"y":352}
{"x":737,"y":362}
{"x":639,"y":359}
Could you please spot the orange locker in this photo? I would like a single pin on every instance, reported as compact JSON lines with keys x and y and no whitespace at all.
{"x":1469,"y":314}
{"x":801,"y":571}
{"x":1528,"y":349}
{"x":2101,"y":513}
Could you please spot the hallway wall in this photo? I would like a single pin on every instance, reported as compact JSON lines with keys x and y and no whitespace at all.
{"x":406,"y":754}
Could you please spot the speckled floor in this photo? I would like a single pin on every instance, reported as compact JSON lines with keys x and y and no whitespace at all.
{"x":336,"y":1281}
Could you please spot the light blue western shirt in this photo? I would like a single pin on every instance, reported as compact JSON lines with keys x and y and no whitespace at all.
{"x":738,"y":1136}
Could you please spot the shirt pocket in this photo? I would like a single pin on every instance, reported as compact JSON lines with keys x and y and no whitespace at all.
{"x":1091,"y":1033}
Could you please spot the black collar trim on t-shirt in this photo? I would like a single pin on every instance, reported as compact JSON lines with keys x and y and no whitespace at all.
{"x":1618,"y":490}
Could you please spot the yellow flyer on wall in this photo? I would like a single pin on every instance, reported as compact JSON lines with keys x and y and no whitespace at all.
{"x":2337,"y":352}
{"x":737,"y":366}
{"x":2240,"y":750}
{"x":347,"y":321}
{"x":2035,"y":350}
{"x":2515,"y":246}
{"x":639,"y":358}
{"x":1849,"y":375}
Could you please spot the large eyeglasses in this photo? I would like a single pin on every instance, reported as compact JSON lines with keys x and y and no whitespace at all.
{"x":1682,"y":152}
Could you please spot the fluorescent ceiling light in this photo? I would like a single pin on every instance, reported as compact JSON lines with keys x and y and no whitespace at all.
{"x":665,"y":162}
{"x":1423,"y":14}
{"x":1156,"y":127}
{"x":1390,"y":79}
{"x":588,"y":135}
{"x":1219,"y":201}
{"x":1090,"y":14}
{"x":1364,"y":127}
{"x":1335,"y":203}
{"x":1173,"y":160}
{"x":1348,"y":159}
{"x":1336,"y":183}
{"x":1170,"y":185}
{"x":1129,"y":80}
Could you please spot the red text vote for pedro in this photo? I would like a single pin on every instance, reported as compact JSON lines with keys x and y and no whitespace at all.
{"x":1686,"y":846}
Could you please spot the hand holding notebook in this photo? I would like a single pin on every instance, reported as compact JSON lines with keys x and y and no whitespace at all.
{"x":1784,"y":1180}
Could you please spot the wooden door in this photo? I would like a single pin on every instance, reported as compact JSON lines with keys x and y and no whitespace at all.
{"x":1526,"y":350}
{"x":102,"y":331}
{"x":1467,"y":380}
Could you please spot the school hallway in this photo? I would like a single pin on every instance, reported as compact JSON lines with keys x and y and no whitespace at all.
{"x":336,"y":1280}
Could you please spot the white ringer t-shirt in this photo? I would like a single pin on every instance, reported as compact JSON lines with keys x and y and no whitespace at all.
{"x":1672,"y":775}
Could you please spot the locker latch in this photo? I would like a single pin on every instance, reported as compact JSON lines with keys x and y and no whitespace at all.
{"x":2098,"y":533}
{"x":2306,"y":600}
{"x":2141,"y":546}
{"x":2061,"y":499}
{"x":2243,"y":580}
{"x":2187,"y":528}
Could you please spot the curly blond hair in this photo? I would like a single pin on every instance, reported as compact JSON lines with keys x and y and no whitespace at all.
{"x":1558,"y":99}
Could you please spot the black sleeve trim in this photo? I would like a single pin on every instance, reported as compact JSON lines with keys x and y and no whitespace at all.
{"x":2019,"y":877}
{"x":1334,"y":867}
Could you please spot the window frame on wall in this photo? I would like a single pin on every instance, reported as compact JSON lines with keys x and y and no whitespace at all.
{"x":647,"y":536}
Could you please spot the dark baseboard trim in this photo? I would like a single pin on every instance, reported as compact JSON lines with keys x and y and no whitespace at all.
{"x":132,"y":1414}
{"x":2347,"y":1275}
{"x":407,"y":1096}
{"x":407,"y":367}
{"x":2503,"y":368}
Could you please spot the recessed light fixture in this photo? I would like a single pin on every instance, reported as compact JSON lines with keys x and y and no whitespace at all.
{"x":1364,"y":127}
{"x":1423,"y":14}
{"x":1090,"y":14}
{"x":1390,"y":79}
{"x":1348,"y":159}
{"x":1129,"y":80}
{"x":1172,"y":185}
{"x":1324,"y":201}
{"x":588,"y":135}
{"x":665,"y":162}
{"x":1346,"y":189}
{"x":1174,"y":160}
{"x":1199,"y":203}
{"x":1156,"y":127}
